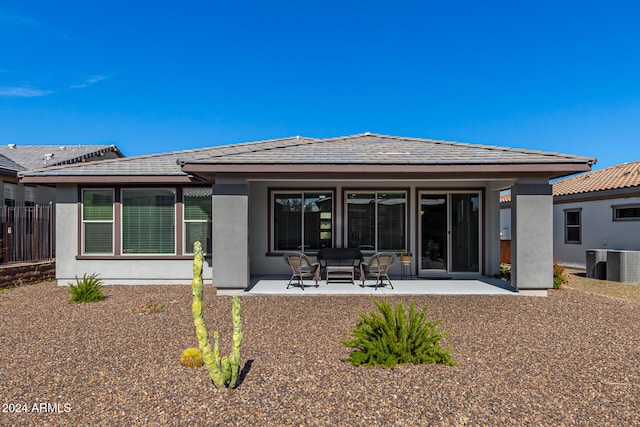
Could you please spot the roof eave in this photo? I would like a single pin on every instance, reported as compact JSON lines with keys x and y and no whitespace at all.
{"x":553,"y":170}
{"x":612,"y":193}
{"x":109,"y":179}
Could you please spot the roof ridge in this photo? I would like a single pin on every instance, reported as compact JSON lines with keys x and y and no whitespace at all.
{"x":58,"y":146}
{"x":255,"y":146}
{"x":72,"y":160}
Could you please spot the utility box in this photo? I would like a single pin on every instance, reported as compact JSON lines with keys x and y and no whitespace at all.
{"x":597,"y":264}
{"x":623,"y":266}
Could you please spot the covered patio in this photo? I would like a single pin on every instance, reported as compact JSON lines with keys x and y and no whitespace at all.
{"x":277,"y":285}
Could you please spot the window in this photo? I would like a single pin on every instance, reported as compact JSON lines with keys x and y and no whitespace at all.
{"x":29,"y":196}
{"x":626,"y":212}
{"x":376,"y":221}
{"x":148,"y":221}
{"x":197,"y":218}
{"x":302,"y":221}
{"x":572,"y":226}
{"x":97,"y":221}
{"x":9,"y":194}
{"x":144,"y":221}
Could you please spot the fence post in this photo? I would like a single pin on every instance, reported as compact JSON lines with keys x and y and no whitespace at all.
{"x":50,"y":230}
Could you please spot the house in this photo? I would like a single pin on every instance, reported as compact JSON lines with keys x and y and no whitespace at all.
{"x":18,"y":158}
{"x":595,"y":210}
{"x":26,"y":211}
{"x":598,"y":210}
{"x":133,"y":220}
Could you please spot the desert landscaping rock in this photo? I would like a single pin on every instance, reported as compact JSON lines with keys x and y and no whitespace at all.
{"x":572,"y":358}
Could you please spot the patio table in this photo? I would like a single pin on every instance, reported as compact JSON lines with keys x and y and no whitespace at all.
{"x":340,"y":273}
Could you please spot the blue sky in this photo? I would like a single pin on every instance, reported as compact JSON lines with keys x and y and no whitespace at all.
{"x":162,"y":76}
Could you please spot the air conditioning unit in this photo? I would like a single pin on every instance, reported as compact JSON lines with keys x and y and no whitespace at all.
{"x":597,"y":264}
{"x":623,"y":266}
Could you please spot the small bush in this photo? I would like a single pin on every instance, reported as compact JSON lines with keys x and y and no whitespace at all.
{"x":559,"y":276}
{"x":392,"y":338}
{"x":191,"y":357}
{"x":87,"y":290}
{"x":505,"y":272}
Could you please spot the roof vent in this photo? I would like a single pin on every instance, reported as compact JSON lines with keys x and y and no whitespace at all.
{"x":11,"y":146}
{"x":62,"y":147}
{"x":47,"y":158}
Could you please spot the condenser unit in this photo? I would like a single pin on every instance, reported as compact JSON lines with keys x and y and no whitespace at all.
{"x":623,"y":266}
{"x":597,"y":264}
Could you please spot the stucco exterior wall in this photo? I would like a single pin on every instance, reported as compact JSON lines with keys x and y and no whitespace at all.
{"x":532,"y":239}
{"x":598,"y":230}
{"x":492,"y":231}
{"x":43,"y":194}
{"x":235,"y":214}
{"x":111,"y":271}
{"x":231,"y":236}
{"x":265,"y":264}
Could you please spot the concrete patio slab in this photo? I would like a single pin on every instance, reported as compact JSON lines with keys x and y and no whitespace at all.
{"x":484,"y":286}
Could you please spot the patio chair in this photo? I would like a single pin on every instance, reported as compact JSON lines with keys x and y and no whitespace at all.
{"x":301,"y":268}
{"x":377,"y":268}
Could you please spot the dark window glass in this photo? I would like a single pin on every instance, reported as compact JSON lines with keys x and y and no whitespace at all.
{"x":148,"y":221}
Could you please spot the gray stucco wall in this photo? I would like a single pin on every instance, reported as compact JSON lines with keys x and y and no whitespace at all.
{"x":598,"y":231}
{"x":230,"y":236}
{"x":241,"y":231}
{"x":263,"y":263}
{"x":111,"y":271}
{"x":532,"y":237}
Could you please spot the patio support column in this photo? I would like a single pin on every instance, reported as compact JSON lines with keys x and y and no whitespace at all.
{"x":230,"y":240}
{"x":532,"y":238}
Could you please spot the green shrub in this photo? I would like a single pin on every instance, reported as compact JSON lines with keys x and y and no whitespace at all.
{"x":392,"y":338}
{"x":505,"y":272}
{"x":87,"y":290}
{"x":559,"y":276}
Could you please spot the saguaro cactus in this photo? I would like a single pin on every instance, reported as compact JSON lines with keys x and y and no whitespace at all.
{"x":223,"y":372}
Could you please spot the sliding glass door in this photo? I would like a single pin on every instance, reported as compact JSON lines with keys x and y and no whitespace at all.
{"x":449,"y":227}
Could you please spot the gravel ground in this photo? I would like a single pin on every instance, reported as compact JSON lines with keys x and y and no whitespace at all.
{"x":572,"y":358}
{"x":578,"y":280}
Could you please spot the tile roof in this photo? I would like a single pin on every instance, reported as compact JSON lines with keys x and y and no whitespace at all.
{"x":369,"y":149}
{"x":377,"y":149}
{"x":9,"y":166}
{"x":625,"y":175}
{"x":40,"y":156}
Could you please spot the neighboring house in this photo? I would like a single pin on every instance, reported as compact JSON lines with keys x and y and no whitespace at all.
{"x":596,"y":210}
{"x":17,"y":158}
{"x":134,"y":220}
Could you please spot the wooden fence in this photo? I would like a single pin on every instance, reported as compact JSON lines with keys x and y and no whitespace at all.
{"x":26,"y":233}
{"x":505,"y":251}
